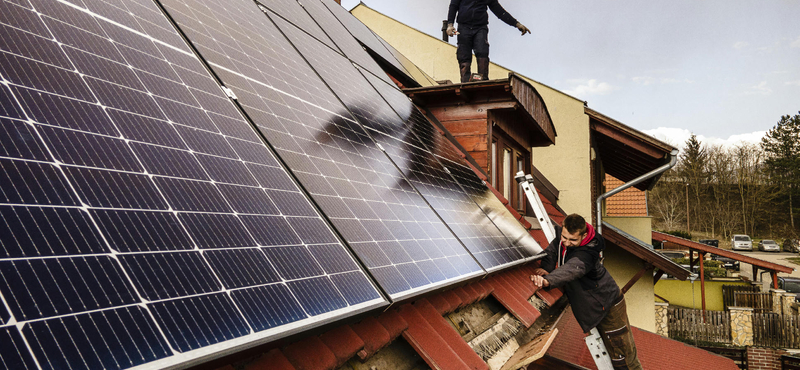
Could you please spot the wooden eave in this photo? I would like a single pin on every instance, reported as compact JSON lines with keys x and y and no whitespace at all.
{"x":513,"y":95}
{"x":626,"y":153}
{"x":644,"y":251}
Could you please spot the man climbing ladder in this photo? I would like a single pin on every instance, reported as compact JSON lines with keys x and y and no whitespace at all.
{"x":473,"y":32}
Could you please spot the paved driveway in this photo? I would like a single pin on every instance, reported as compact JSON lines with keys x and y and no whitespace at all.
{"x":779,"y":258}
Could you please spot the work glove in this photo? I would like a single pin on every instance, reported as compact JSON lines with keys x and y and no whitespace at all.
{"x":451,"y":31}
{"x":521,"y":28}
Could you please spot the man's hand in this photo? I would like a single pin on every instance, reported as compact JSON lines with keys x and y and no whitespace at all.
{"x":451,"y":31}
{"x":540,"y":271}
{"x":521,"y":28}
{"x":540,"y":281}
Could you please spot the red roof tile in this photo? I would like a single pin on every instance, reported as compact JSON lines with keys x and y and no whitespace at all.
{"x":343,"y":342}
{"x":299,"y":355}
{"x":630,"y":202}
{"x":441,"y":304}
{"x":654,"y":351}
{"x":393,"y":322}
{"x":272,"y":360}
{"x":514,"y":302}
{"x":374,"y":335}
{"x":436,"y":352}
{"x":450,"y":335}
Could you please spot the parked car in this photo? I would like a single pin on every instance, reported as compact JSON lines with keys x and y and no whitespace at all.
{"x":791,"y":245}
{"x":727,"y":263}
{"x":791,"y":285}
{"x":711,"y":242}
{"x":741,"y":243}
{"x":768,"y":245}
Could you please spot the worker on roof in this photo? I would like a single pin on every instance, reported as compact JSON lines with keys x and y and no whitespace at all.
{"x":473,"y":32}
{"x":574,"y":262}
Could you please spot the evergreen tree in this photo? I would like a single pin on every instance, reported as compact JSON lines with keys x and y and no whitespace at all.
{"x":782,"y":147}
{"x":693,"y":172}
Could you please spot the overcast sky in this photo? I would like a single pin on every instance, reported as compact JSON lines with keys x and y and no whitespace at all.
{"x":725,"y":70}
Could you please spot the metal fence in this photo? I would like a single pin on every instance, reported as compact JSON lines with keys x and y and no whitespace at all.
{"x":695,"y":325}
{"x":775,"y":330}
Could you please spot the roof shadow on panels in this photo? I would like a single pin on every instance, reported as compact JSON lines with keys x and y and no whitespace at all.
{"x":400,"y":239}
{"x":137,"y":202}
{"x":399,"y":138}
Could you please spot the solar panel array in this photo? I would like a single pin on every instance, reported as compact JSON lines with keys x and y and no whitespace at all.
{"x":181,"y":179}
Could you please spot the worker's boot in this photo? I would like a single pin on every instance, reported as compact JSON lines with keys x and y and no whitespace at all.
{"x":483,"y":68}
{"x":465,"y":71}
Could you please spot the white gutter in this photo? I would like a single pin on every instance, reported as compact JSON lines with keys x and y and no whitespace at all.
{"x":673,"y":160}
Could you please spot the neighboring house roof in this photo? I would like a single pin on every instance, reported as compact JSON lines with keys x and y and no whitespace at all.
{"x":630,"y":202}
{"x":515,"y":92}
{"x":654,"y":351}
{"x":644,"y":251}
{"x":766,"y":265}
{"x":627,"y":153}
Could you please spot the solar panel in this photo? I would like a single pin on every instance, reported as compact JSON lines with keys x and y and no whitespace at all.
{"x":364,"y":35}
{"x":483,"y":239}
{"x":461,"y":194}
{"x":341,"y":36}
{"x":402,"y":242}
{"x":142,"y":218}
{"x":421,"y":77}
{"x":450,"y":157}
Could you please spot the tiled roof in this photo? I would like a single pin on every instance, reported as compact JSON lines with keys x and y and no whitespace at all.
{"x":654,"y":351}
{"x":630,"y":202}
{"x":420,"y":323}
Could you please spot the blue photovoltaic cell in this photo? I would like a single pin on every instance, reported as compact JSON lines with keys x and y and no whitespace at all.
{"x":354,"y":183}
{"x":364,"y":35}
{"x":14,"y":354}
{"x":439,"y":149}
{"x":136,"y":201}
{"x":399,"y":138}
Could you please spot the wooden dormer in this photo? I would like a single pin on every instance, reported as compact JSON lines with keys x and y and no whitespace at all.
{"x":497,"y":122}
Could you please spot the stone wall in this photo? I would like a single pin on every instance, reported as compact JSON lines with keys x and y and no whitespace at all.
{"x":662,"y":328}
{"x":741,"y":326}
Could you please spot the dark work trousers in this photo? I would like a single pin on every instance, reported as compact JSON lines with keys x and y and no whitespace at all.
{"x":472,"y":39}
{"x":616,"y":333}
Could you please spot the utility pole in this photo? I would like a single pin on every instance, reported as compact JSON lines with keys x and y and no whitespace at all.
{"x":688,"y":229}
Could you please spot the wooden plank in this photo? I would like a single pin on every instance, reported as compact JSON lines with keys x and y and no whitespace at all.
{"x":466,"y":127}
{"x":530,"y":352}
{"x":473,"y":143}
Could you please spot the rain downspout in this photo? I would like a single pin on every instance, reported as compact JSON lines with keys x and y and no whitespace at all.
{"x":673,"y":160}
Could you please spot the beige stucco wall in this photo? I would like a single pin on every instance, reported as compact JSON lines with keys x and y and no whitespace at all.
{"x":639,"y":299}
{"x":438,"y":59}
{"x":639,"y":227}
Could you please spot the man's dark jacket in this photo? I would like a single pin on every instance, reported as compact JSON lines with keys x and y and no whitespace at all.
{"x":590,"y":288}
{"x":472,"y":13}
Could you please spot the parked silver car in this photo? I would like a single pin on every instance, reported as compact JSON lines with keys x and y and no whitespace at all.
{"x":741,"y":243}
{"x":767,"y":245}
